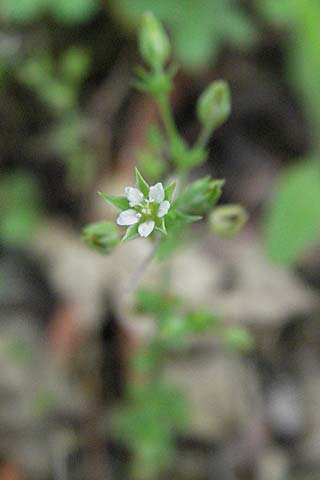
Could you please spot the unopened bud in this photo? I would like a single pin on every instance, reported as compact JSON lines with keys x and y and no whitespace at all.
{"x":153,"y":42}
{"x":214,"y":105}
{"x":101,"y":236}
{"x":227,"y":220}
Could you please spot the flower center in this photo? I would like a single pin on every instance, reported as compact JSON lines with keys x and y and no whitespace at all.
{"x":148,"y":209}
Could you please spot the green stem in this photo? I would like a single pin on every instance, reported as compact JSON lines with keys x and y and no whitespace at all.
{"x":167,"y":117}
{"x":203,"y":138}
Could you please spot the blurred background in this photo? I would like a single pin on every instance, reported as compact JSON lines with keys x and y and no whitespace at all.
{"x":71,"y":124}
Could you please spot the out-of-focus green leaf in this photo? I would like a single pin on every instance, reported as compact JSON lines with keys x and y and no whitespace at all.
{"x":239,"y":339}
{"x":199,"y":29}
{"x":280,"y":12}
{"x":293,"y":218}
{"x":74,"y":11}
{"x":201,"y":321}
{"x":156,"y":303}
{"x":155,"y":413}
{"x":21,"y":11}
{"x":74,"y":64}
{"x":66,"y":11}
{"x":20,"y":210}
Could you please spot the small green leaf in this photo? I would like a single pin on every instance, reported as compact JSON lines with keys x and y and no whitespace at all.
{"x":131,"y":233}
{"x":120,"y":202}
{"x":155,"y":302}
{"x":201,"y":321}
{"x":142,"y":184}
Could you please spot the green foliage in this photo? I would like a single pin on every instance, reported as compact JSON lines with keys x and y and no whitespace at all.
{"x":101,"y":236}
{"x":238,"y":339}
{"x":150,"y":160}
{"x":199,"y":29}
{"x":175,"y":319}
{"x":292,"y":220}
{"x":302,"y":17}
{"x":67,"y":12}
{"x":156,"y":413}
{"x":58,"y":83}
{"x":68,"y":141}
{"x":156,"y":303}
{"x":20,"y":208}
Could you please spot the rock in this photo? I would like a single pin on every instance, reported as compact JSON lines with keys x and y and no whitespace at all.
{"x":221,"y":391}
{"x":284,"y":409}
{"x":274,"y":464}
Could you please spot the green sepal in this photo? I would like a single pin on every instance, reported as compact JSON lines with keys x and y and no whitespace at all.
{"x":177,"y":216}
{"x":119,"y":202}
{"x":200,"y":196}
{"x":168,"y":191}
{"x":161,"y":227}
{"x":142,"y":184}
{"x":131,"y":233}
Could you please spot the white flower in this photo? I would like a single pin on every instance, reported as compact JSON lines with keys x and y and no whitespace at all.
{"x":128,"y":217}
{"x":134,"y":196}
{"x":156,"y":193}
{"x":146,"y":212}
{"x":146,"y":228}
{"x":163,"y":208}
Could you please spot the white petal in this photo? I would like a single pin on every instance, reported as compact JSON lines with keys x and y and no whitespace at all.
{"x":156,"y":193}
{"x":134,"y":196}
{"x":146,"y":228}
{"x":163,"y":208}
{"x":128,"y":217}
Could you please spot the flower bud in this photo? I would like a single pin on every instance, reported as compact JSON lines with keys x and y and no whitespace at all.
{"x":227,"y":220}
{"x":201,"y":196}
{"x":153,"y":42}
{"x":214,"y":105}
{"x":101,"y":236}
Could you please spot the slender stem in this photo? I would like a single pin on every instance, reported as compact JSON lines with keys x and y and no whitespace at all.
{"x":203,"y":137}
{"x":167,"y":117}
{"x":137,"y":274}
